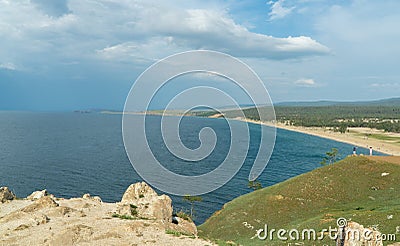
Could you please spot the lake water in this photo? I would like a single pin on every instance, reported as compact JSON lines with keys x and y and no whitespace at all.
{"x":71,"y":154}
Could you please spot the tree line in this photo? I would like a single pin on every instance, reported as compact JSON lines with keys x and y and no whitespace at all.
{"x":337,"y":117}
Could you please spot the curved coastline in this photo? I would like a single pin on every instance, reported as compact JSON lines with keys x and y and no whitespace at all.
{"x":356,"y":136}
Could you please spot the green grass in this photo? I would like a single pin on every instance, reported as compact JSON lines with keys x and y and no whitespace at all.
{"x":173,"y":232}
{"x":178,"y":233}
{"x":183,"y":215}
{"x":394,"y":140}
{"x":353,"y":189}
{"x":384,"y":137}
{"x":123,"y":216}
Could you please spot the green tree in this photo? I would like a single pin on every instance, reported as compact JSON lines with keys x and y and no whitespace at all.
{"x":192,"y":200}
{"x":254,"y":184}
{"x":343,"y":128}
{"x":331,"y":157}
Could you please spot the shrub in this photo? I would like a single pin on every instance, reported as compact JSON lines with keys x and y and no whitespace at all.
{"x":183,"y":215}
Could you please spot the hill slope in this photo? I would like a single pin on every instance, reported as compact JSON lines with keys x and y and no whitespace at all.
{"x":354,"y":189}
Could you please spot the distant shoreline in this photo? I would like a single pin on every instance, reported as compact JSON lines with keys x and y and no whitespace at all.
{"x":356,"y":136}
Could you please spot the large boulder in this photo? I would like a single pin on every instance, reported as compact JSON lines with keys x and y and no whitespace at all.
{"x":184,"y":226}
{"x":41,"y":203}
{"x":356,"y":235}
{"x":138,"y":191}
{"x":37,"y":195}
{"x":6,"y":194}
{"x":142,"y":201}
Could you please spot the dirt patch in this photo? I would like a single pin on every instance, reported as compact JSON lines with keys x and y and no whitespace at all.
{"x":390,"y":159}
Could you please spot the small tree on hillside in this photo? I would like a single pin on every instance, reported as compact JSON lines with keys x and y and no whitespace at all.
{"x":192,"y":200}
{"x":254,"y":184}
{"x":331,"y":157}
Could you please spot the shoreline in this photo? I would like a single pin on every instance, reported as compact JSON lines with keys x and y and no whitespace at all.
{"x":356,"y":136}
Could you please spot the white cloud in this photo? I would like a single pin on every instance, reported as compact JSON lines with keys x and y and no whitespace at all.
{"x":8,"y":66}
{"x":211,"y":29}
{"x":278,"y":11}
{"x":305,"y":82}
{"x":385,"y":85}
{"x":208,"y":76}
{"x":140,"y":31}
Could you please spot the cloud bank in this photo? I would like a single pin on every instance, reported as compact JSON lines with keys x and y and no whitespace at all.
{"x":134,"y":31}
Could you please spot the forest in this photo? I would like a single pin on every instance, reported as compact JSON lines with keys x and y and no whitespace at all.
{"x":338,"y":117}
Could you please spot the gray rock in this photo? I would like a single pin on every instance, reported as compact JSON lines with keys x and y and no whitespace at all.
{"x":6,"y":194}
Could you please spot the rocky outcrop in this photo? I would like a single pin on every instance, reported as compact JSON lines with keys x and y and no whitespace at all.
{"x":41,"y":203}
{"x":355,"y":234}
{"x":94,"y":198}
{"x":88,"y":221}
{"x":6,"y":194}
{"x":37,"y":195}
{"x":184,"y":226}
{"x":142,"y":201}
{"x":138,"y":191}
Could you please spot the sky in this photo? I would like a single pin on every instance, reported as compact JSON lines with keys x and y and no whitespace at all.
{"x":81,"y":54}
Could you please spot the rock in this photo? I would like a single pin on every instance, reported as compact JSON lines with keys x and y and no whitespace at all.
{"x":37,"y":195}
{"x":138,"y":191}
{"x":125,"y":209}
{"x":60,"y":211}
{"x":94,"y":198}
{"x":73,"y":235}
{"x":162,"y":208}
{"x":142,"y":201}
{"x":86,"y":196}
{"x":97,"y":199}
{"x":42,"y":219}
{"x":276,"y":197}
{"x":52,"y":221}
{"x":6,"y":194}
{"x":21,"y":227}
{"x":43,"y":202}
{"x":356,"y":235}
{"x":184,"y":227}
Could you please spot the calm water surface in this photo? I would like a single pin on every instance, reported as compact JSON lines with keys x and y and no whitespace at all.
{"x":71,"y":154}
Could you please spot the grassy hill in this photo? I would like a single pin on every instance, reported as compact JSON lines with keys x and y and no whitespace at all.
{"x":353,"y":188}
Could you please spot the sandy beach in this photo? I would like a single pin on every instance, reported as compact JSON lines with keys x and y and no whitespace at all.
{"x":384,"y":142}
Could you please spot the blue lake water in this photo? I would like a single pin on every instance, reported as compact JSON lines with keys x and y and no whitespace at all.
{"x":71,"y":154}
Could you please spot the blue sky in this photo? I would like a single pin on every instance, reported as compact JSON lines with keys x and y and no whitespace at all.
{"x":77,"y":54}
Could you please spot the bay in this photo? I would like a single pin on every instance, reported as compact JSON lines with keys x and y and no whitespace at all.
{"x":71,"y":154}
